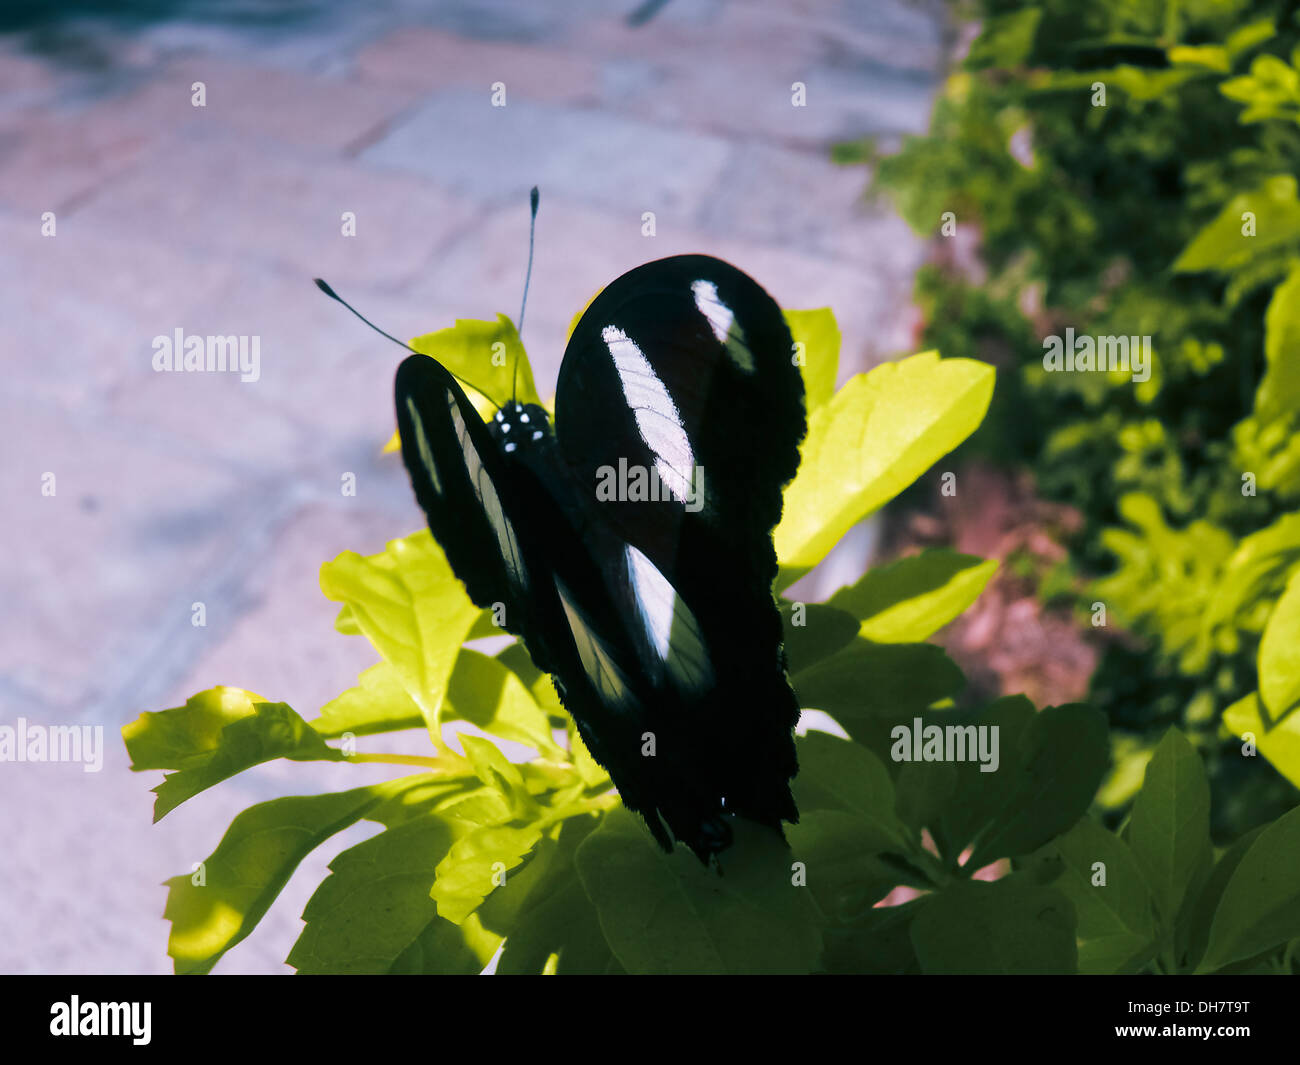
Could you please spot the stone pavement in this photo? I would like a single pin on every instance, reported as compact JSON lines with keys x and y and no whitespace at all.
{"x":172,"y":489}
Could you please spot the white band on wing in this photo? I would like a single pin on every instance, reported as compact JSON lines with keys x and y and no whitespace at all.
{"x":671,"y":628}
{"x":657,"y":417}
{"x":487,"y":496}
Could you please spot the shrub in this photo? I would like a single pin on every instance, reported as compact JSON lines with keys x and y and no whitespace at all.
{"x":1130,"y":169}
{"x":477,"y":854}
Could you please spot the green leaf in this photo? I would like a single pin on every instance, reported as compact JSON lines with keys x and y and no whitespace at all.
{"x":1009,"y":926}
{"x":252,"y":863}
{"x":484,"y":692}
{"x":564,"y":925}
{"x":1278,"y":395}
{"x":668,"y":914}
{"x":840,"y":853}
{"x":497,"y":771}
{"x":544,"y":870}
{"x":1211,"y":56}
{"x":1169,"y":829}
{"x":1163,"y":574}
{"x":412,"y":608}
{"x":1221,"y":245}
{"x":445,"y":949}
{"x":874,"y":437}
{"x":1271,"y":90}
{"x":923,"y":795}
{"x":1116,"y":926}
{"x":373,"y":914}
{"x":1005,"y":40}
{"x":878,"y":944}
{"x":1142,"y":84}
{"x":869,"y":688}
{"x":1063,"y":755}
{"x":1260,"y":564}
{"x":476,"y":864}
{"x":835,"y":774}
{"x":485,"y":626}
{"x":216,"y":734}
{"x":823,"y":631}
{"x":378,"y":703}
{"x":1278,"y":741}
{"x":819,"y":334}
{"x":467,"y":350}
{"x":955,"y":800}
{"x":551,"y":914}
{"x":591,"y":772}
{"x":1195,"y":928}
{"x":1247,"y":36}
{"x":345,"y":623}
{"x":913,"y":598}
{"x":1279,"y":654}
{"x":1260,"y":907}
{"x":1048,"y":767}
{"x":516,"y":659}
{"x":868,"y":678}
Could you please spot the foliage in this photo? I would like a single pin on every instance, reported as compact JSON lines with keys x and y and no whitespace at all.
{"x":538,"y":864}
{"x":1130,"y":170}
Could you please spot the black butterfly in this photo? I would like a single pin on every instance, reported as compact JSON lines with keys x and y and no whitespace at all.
{"x":652,"y":610}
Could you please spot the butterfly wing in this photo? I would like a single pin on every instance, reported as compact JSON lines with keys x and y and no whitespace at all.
{"x":685,"y":367}
{"x":513,"y":534}
{"x":462,"y":487}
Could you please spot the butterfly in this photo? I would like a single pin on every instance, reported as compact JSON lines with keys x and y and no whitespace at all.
{"x":627,"y":541}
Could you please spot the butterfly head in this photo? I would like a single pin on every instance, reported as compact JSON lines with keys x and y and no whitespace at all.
{"x":520,"y":427}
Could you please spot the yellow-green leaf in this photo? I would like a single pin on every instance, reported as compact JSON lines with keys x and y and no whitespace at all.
{"x":410,"y":605}
{"x":378,"y":703}
{"x":1279,"y":654}
{"x":874,"y":437}
{"x":489,"y":355}
{"x":216,"y":734}
{"x":913,"y":598}
{"x":1278,"y":741}
{"x":476,"y":864}
{"x":817,"y":343}
{"x":1223,"y":246}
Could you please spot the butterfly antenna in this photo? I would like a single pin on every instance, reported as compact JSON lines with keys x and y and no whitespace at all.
{"x":324,"y":286}
{"x":534,"y":197}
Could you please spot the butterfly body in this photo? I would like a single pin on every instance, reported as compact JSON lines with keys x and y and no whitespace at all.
{"x":652,"y":610}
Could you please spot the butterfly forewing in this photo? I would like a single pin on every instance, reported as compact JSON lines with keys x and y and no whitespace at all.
{"x":462,"y":486}
{"x":685,"y":367}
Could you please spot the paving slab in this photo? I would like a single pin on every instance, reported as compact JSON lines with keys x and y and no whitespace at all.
{"x":436,"y":60}
{"x":327,"y":114}
{"x":308,"y":216}
{"x":132,"y":535}
{"x":462,"y":142}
